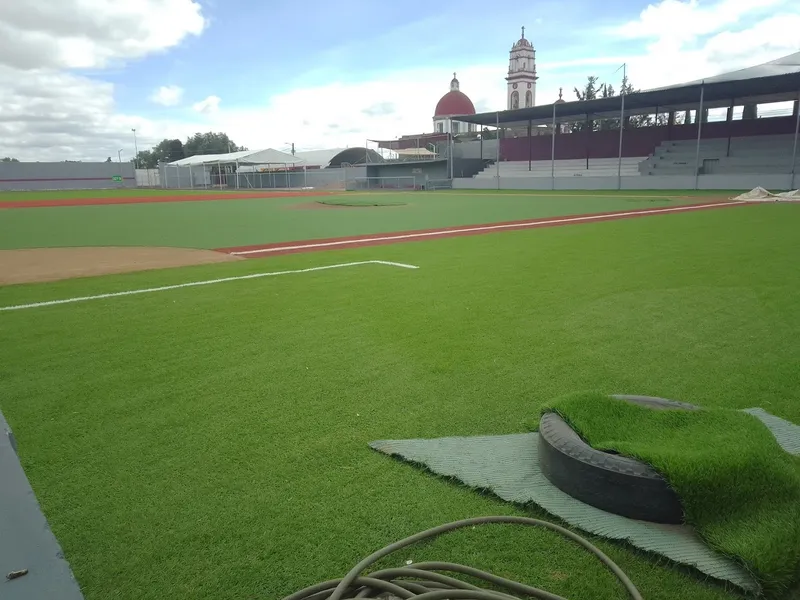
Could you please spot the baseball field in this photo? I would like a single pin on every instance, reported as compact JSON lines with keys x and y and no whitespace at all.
{"x":193,"y":378}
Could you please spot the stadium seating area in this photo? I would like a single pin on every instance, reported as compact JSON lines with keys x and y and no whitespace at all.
{"x":597,"y":167}
{"x":754,"y":154}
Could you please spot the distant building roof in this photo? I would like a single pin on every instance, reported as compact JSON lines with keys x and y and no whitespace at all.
{"x":775,"y":81}
{"x":244,"y":157}
{"x":318,"y":158}
{"x":355,"y":156}
{"x":454,"y":102}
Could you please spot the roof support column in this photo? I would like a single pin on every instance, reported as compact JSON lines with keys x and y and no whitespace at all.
{"x":553,"y":151}
{"x":530,"y":145}
{"x":729,"y":125}
{"x":794,"y":147}
{"x":497,"y":161}
{"x":621,"y":129}
{"x":670,"y":123}
{"x":451,"y":142}
{"x":699,"y":121}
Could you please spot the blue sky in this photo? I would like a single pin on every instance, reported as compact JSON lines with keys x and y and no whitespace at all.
{"x":252,"y":49}
{"x":333,"y":74}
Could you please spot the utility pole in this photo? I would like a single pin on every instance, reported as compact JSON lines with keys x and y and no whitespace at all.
{"x":136,"y":150}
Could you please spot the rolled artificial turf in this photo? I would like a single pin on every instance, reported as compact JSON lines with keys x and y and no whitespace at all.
{"x":739,"y":489}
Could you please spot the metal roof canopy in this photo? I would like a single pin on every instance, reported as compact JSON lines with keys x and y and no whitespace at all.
{"x":775,"y":81}
{"x":244,"y":157}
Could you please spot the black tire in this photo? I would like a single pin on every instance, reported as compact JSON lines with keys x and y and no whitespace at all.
{"x":607,"y":481}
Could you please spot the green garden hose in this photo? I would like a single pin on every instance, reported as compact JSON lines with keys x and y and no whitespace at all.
{"x":423,"y":582}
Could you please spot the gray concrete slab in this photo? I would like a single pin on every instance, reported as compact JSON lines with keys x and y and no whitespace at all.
{"x":26,"y":541}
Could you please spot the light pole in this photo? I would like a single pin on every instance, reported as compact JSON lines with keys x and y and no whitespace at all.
{"x":136,"y":150}
{"x":119,"y":156}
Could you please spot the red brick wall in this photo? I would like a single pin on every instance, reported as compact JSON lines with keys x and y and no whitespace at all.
{"x":636,"y":142}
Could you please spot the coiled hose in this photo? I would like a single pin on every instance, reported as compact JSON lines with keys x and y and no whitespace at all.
{"x":421,"y":582}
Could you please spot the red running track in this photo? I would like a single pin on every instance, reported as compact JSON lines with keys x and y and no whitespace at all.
{"x":150,"y":199}
{"x":277,"y":249}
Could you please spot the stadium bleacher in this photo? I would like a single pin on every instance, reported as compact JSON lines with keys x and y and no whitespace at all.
{"x":752,"y":154}
{"x":597,"y":167}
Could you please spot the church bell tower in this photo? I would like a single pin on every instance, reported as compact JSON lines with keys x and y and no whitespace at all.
{"x":521,"y":88}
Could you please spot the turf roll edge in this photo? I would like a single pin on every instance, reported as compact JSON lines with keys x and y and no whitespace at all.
{"x":739,"y":489}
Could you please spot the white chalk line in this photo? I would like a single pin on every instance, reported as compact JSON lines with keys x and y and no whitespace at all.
{"x":447,"y":232}
{"x":207,"y":282}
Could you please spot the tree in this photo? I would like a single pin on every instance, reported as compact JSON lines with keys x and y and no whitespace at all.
{"x":108,"y":159}
{"x":662,"y":119}
{"x":592,"y":90}
{"x":210,"y":143}
{"x":589,"y":92}
{"x":146,"y":159}
{"x":165,"y":151}
{"x":169,"y":150}
{"x":8,"y":159}
{"x":607,"y":91}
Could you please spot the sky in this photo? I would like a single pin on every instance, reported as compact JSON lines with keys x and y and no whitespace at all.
{"x":76,"y":76}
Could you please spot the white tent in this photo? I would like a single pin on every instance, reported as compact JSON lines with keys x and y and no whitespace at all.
{"x":785,"y":65}
{"x":306,"y":158}
{"x":215,"y":169}
{"x":415,"y":153}
{"x":270,"y":156}
{"x":318,"y":158}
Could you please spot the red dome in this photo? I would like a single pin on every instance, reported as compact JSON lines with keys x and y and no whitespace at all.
{"x":453,"y":103}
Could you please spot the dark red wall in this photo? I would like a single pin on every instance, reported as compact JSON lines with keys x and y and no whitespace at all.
{"x":635,"y":142}
{"x":415,"y":141}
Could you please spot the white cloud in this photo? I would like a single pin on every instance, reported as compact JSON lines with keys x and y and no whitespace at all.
{"x":685,"y":20}
{"x":92,"y":33}
{"x":208,"y":105}
{"x":167,"y":95}
{"x":722,"y":36}
{"x":48,"y":114}
{"x":689,"y":40}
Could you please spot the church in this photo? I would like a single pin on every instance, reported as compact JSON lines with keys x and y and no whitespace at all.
{"x":520,"y":90}
{"x":520,"y":93}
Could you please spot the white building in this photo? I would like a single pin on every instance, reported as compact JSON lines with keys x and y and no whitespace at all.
{"x":521,"y":79}
{"x":453,"y":103}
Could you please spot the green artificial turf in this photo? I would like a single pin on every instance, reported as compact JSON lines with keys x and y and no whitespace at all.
{"x":738,"y":487}
{"x":211,"y":442}
{"x":229,"y":223}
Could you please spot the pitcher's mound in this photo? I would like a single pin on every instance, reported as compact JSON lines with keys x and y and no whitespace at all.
{"x":52,"y":264}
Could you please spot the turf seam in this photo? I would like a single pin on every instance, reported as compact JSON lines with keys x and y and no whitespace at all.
{"x":205,"y":282}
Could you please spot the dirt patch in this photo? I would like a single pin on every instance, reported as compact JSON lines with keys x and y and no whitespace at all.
{"x":321,"y":206}
{"x":334,"y":206}
{"x":151,"y":199}
{"x":52,"y":264}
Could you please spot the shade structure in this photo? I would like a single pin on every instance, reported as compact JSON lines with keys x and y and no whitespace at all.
{"x":244,"y":157}
{"x":774,"y":81}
